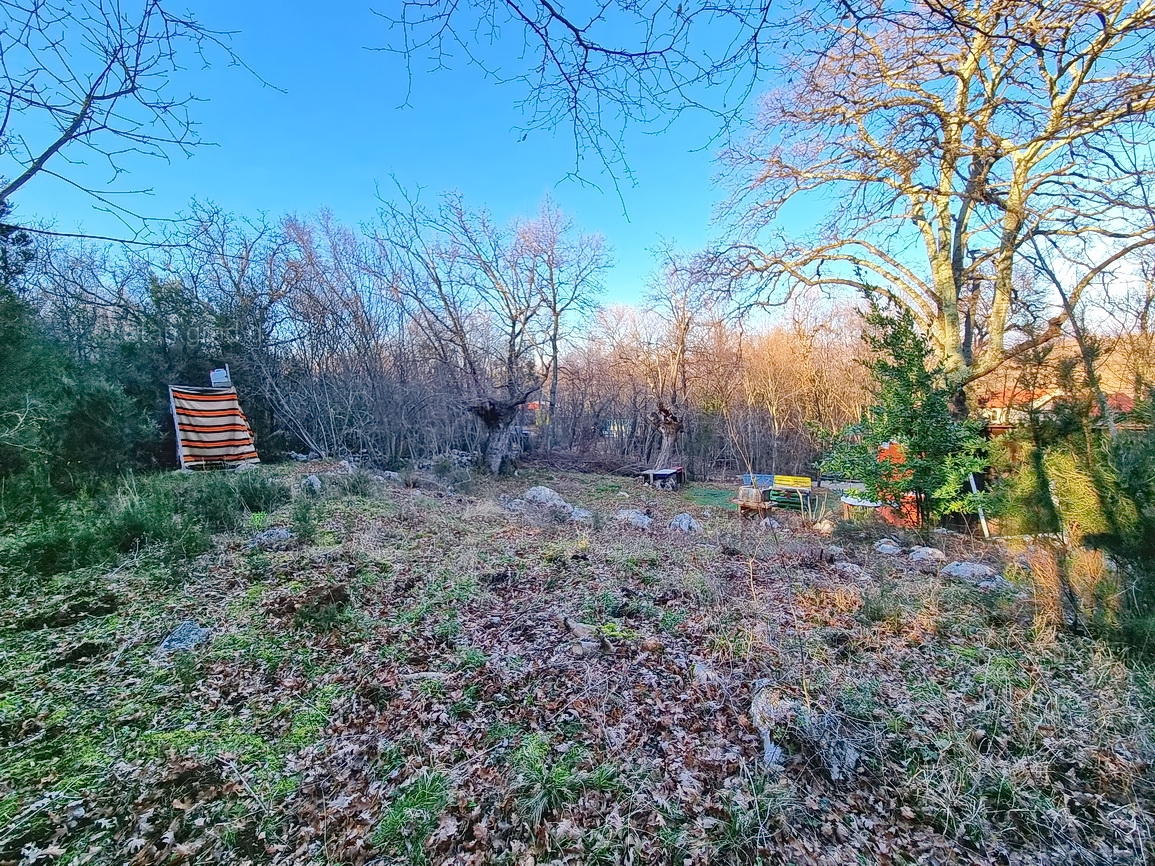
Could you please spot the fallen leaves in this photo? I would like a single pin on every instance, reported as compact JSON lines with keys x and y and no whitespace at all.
{"x":392,"y":681}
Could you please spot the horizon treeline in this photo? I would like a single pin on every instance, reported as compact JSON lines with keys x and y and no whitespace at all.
{"x":436,"y":330}
{"x":387,"y":345}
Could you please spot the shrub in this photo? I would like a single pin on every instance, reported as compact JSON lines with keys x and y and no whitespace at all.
{"x":146,"y":515}
{"x":913,"y":408}
{"x":211,"y":500}
{"x":259,"y":491}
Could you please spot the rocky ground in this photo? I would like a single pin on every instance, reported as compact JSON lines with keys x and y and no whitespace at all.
{"x":564,"y":668}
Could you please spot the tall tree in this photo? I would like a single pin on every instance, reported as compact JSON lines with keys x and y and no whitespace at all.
{"x":568,"y":268}
{"x":94,"y":80}
{"x":950,"y":137}
{"x":470,"y":288}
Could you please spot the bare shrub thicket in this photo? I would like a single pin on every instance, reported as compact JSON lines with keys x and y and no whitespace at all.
{"x":443,"y":330}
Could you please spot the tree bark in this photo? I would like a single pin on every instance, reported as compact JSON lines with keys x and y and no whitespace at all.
{"x":668,"y":425}
{"x":498,"y":417}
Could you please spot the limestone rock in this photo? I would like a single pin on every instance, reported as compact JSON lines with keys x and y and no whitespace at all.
{"x":311,"y":484}
{"x":546,"y":497}
{"x":271,"y":539}
{"x":997,"y":583}
{"x":685,"y":523}
{"x":823,"y":732}
{"x":888,"y":546}
{"x":634,"y":517}
{"x":849,"y":569}
{"x":705,"y":675}
{"x":971,"y":572}
{"x":927,"y":554}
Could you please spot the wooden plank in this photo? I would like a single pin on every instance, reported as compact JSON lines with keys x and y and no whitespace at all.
{"x":794,"y":482}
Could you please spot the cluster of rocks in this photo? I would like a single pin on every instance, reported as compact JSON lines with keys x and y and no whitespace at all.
{"x":451,"y":459}
{"x":546,"y":500}
{"x":931,"y":559}
{"x":304,"y":458}
{"x":683,"y":522}
{"x":276,"y":538}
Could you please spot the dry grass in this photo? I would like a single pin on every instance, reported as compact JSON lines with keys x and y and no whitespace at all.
{"x":439,"y":714}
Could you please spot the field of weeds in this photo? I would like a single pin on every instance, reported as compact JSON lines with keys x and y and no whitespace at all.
{"x":419,"y":675}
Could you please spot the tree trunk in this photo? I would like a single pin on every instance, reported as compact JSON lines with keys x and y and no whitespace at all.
{"x":498,"y":449}
{"x":669,"y":426}
{"x":497,"y":416}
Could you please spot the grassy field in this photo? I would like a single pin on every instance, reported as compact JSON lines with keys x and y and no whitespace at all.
{"x":398,"y":684}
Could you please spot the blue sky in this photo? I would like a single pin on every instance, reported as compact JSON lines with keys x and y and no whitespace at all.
{"x":334,"y":131}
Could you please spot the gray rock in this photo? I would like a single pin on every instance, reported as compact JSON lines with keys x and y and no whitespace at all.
{"x":391,"y":478}
{"x":311,"y":484}
{"x":581,"y":514}
{"x":927,"y":554}
{"x":345,"y":468}
{"x":546,"y":498}
{"x":633,"y":517}
{"x":834,"y":553}
{"x":888,"y":546}
{"x":517,"y":506}
{"x":849,"y":569}
{"x":998,"y":583}
{"x":824,"y":733}
{"x":586,"y":649}
{"x":705,"y":675}
{"x":185,"y":636}
{"x":972,"y":572}
{"x":271,"y":539}
{"x":772,"y":753}
{"x":684,"y":522}
{"x":771,"y":523}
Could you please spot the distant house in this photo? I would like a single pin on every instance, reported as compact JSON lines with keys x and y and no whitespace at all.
{"x":1014,"y":405}
{"x":1006,"y":409}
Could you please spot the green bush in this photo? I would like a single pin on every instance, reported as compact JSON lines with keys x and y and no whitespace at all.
{"x":211,"y":500}
{"x":222,"y":501}
{"x":258,"y":491}
{"x":148,"y":516}
{"x":912,"y":406}
{"x":60,"y":418}
{"x":73,"y":537}
{"x":304,"y":523}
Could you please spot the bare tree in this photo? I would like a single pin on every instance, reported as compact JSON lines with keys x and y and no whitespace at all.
{"x":603,"y":68}
{"x":950,"y":137}
{"x":469,"y":287}
{"x":93,"y":80}
{"x":567,"y":271}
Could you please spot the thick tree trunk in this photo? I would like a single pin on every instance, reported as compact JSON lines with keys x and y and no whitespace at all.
{"x":668,"y":425}
{"x":498,"y":416}
{"x":499,"y":449}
